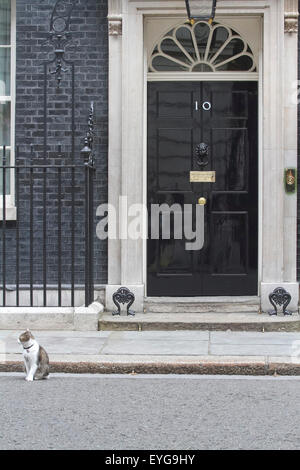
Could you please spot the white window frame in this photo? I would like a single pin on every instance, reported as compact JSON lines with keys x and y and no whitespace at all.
{"x":210,"y":56}
{"x":10,"y":198}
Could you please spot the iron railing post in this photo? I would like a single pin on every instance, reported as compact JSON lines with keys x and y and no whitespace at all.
{"x":88,"y":158}
{"x":91,"y":234}
{"x":17,"y":183}
{"x":4,"y":225}
{"x":31,"y":227}
{"x":59,"y":230}
{"x":86,"y":152}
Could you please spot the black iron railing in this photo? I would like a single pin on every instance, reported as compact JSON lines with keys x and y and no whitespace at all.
{"x":47,"y":227}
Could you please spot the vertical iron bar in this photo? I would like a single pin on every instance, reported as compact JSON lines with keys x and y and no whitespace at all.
{"x":31,"y":227}
{"x":45,"y":110}
{"x":87,"y":236}
{"x":4,"y":225}
{"x":59,"y":230}
{"x":91,"y":230}
{"x":88,"y":156}
{"x":44,"y":237}
{"x":73,"y":115}
{"x":17,"y":179}
{"x":44,"y":186}
{"x":73,"y":191}
{"x":73,"y":237}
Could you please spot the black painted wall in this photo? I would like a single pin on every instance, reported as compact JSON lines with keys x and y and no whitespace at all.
{"x":89,"y":52}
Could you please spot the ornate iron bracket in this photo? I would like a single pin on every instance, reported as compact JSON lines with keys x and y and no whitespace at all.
{"x":201,"y":152}
{"x":280,"y":297}
{"x":123,"y":296}
{"x":59,"y":35}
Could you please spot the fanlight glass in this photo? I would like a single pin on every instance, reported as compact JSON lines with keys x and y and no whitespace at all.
{"x":201,"y":9}
{"x":202,"y":47}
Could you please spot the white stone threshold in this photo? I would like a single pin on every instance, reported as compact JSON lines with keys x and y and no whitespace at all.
{"x":189,"y":300}
{"x":201,"y":305}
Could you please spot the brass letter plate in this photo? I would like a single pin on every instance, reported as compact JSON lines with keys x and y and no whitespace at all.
{"x":202,"y":176}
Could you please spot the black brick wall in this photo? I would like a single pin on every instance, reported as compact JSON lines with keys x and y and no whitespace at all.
{"x":298,"y":210}
{"x":90,"y":56}
{"x":89,"y":52}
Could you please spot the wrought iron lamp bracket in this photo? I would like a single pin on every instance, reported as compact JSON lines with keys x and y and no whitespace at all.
{"x":59,"y":35}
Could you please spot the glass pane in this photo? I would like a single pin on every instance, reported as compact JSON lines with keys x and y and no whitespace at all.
{"x":4,"y":123}
{"x":234,"y":47}
{"x":183,"y":35}
{"x":201,"y":8}
{"x":7,"y":172}
{"x":202,"y":68}
{"x":243,"y":63}
{"x":4,"y":71}
{"x":169,"y":47}
{"x":4,"y":22}
{"x":162,"y":64}
{"x":220,"y":35}
{"x":202,"y":31}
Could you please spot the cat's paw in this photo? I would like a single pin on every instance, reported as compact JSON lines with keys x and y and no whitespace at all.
{"x":29,"y":379}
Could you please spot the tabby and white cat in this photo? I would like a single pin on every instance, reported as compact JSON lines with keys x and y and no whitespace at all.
{"x":35,"y":357}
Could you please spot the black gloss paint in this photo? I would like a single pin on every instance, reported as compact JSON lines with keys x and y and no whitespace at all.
{"x":227,"y":264}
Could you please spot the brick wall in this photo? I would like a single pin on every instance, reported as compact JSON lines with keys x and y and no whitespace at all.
{"x":88,"y":51}
{"x":298,"y":222}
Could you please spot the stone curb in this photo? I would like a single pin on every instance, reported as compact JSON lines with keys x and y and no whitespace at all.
{"x":208,"y":368}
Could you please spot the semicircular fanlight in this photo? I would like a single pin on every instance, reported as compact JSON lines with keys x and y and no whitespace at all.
{"x":202,"y":47}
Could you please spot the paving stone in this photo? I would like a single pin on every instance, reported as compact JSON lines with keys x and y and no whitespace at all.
{"x":243,"y":338}
{"x":248,"y":350}
{"x":167,"y":335}
{"x":156,"y":347}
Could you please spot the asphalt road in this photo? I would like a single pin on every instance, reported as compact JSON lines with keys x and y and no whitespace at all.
{"x":149,"y":412}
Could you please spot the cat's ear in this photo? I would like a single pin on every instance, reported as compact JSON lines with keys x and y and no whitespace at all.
{"x":27,"y":329}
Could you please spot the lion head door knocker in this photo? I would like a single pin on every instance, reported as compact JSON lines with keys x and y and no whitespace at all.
{"x":202,"y":155}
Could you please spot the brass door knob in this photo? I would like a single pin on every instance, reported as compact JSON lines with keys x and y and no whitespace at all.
{"x":202,"y":201}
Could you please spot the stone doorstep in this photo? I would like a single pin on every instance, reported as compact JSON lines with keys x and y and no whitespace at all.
{"x":201,"y":304}
{"x":51,"y":318}
{"x":94,"y":318}
{"x":196,"y":321}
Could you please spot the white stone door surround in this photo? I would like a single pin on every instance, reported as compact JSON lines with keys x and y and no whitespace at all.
{"x":278,"y":136}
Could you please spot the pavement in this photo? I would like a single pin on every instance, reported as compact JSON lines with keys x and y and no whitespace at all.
{"x":165,"y":352}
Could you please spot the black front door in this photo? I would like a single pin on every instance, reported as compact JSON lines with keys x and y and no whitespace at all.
{"x":224,"y":116}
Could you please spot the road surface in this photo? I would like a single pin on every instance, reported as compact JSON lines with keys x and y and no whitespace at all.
{"x":149,"y":412}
